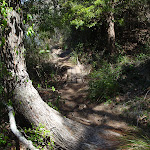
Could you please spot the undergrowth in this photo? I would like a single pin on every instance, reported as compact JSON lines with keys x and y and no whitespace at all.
{"x":104,"y":84}
{"x":110,"y":75}
{"x":5,"y":140}
{"x":135,"y":141}
{"x":40,"y":137}
{"x":138,"y":109}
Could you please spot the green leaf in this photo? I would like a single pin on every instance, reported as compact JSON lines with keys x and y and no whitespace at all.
{"x":77,"y":23}
{"x":121,"y":22}
{"x":4,"y":3}
{"x":2,"y":41}
{"x":9,"y":144}
{"x":4,"y":23}
{"x":4,"y":13}
{"x":9,"y":10}
{"x":30,"y":31}
{"x":19,"y":9}
{"x":91,"y":25}
{"x":99,"y":2}
{"x":3,"y":10}
{"x":39,"y":86}
{"x":42,"y":51}
{"x":24,"y":22}
{"x":17,"y":52}
{"x":29,"y":17}
{"x":13,"y":113}
{"x":9,"y":103}
{"x":47,"y":51}
{"x":53,"y":88}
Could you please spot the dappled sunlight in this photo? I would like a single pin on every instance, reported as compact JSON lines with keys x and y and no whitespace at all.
{"x":78,"y":77}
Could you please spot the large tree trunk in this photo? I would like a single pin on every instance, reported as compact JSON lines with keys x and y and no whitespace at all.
{"x":65,"y":132}
{"x":111,"y":29}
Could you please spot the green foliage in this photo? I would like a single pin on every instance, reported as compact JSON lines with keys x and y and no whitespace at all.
{"x":3,"y":139}
{"x":29,"y":17}
{"x":4,"y":11}
{"x":55,"y":105}
{"x":126,"y":60}
{"x":3,"y":8}
{"x":138,"y":110}
{"x":121,"y":21}
{"x":30,"y":31}
{"x":83,"y":13}
{"x":40,"y":137}
{"x":39,"y":86}
{"x":43,"y":51}
{"x":3,"y":41}
{"x":87,"y":13}
{"x":53,"y":88}
{"x":74,"y":57}
{"x":136,"y":142}
{"x":9,"y":103}
{"x":103,"y":84}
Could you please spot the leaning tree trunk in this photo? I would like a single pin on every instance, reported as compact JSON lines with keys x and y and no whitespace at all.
{"x":65,"y":132}
{"x":111,"y":29}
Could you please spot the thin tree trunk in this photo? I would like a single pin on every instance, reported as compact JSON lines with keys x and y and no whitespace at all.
{"x":65,"y":132}
{"x":111,"y":30}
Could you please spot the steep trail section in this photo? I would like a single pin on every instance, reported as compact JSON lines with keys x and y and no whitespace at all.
{"x":73,"y":101}
{"x":75,"y":73}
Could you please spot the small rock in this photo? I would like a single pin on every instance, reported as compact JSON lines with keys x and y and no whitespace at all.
{"x":82,"y":106}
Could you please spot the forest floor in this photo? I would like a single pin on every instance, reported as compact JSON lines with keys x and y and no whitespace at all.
{"x":71,"y":98}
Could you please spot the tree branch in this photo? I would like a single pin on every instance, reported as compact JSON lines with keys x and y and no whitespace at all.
{"x":17,"y":133}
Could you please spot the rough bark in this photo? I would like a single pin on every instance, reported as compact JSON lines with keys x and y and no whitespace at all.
{"x":111,"y":30}
{"x":65,"y":132}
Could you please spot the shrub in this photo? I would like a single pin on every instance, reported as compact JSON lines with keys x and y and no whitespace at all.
{"x":103,"y":84}
{"x":40,"y":137}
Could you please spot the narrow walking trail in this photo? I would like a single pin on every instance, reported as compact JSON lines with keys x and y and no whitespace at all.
{"x":72,"y":99}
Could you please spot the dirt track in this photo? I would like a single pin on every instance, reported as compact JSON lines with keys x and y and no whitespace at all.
{"x":74,"y":102}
